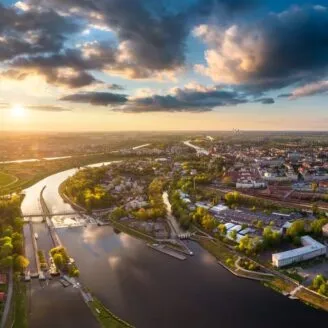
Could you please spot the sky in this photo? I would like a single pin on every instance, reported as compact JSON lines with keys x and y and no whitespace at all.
{"x":116,"y":65}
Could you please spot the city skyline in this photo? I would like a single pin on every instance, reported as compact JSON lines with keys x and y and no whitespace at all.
{"x":145,"y":65}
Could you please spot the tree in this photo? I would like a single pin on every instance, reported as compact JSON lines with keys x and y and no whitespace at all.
{"x":316,"y":226}
{"x":118,"y":213}
{"x":270,"y":237}
{"x":222,"y":229}
{"x":18,"y":246}
{"x":233,"y":235}
{"x":318,"y":281}
{"x":323,"y":289}
{"x":8,"y":231}
{"x":259,"y":224}
{"x":296,"y":229}
{"x":21,"y":263}
{"x":58,"y":260}
{"x":6,"y":249}
{"x":6,"y":262}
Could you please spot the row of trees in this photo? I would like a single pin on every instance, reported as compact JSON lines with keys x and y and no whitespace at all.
{"x":11,"y":238}
{"x":84,"y":188}
{"x":63,"y":262}
{"x":320,"y":285}
{"x":234,"y":198}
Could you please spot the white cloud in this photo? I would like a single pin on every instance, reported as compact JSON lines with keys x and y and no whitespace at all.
{"x":310,"y":89}
{"x":232,"y":55}
{"x":22,"y":6}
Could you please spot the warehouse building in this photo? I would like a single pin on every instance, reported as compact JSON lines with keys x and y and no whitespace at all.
{"x":311,"y":248}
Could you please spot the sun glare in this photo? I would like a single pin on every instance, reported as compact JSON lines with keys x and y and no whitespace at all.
{"x":18,"y":111}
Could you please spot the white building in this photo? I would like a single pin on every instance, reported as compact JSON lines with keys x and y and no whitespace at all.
{"x":311,"y":248}
{"x":217,"y":209}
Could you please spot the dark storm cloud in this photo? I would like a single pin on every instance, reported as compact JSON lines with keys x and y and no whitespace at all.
{"x":297,"y":46}
{"x":32,"y":32}
{"x":184,"y":100}
{"x":281,"y":50}
{"x":96,"y":98}
{"x":151,"y":34}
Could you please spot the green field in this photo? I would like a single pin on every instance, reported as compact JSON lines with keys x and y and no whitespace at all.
{"x":6,"y":179}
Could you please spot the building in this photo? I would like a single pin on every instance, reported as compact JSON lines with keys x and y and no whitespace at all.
{"x":311,"y":248}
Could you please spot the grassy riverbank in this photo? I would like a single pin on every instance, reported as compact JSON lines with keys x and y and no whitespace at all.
{"x":29,"y":173}
{"x":106,"y":318}
{"x":219,"y":250}
{"x":285,"y":286}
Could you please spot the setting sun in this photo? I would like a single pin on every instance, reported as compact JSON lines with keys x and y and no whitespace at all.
{"x":18,"y":111}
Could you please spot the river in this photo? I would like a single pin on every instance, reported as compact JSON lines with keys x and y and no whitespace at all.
{"x":152,"y":290}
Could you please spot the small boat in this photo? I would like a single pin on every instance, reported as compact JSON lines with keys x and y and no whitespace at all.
{"x":36,"y":236}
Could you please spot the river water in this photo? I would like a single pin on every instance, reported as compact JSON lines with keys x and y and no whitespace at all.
{"x":153,"y":290}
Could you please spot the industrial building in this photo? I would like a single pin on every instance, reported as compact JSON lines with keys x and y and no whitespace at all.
{"x":311,"y":248}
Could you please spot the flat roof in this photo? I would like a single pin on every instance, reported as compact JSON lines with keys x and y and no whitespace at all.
{"x":229,"y":225}
{"x":235,"y":228}
{"x":310,"y":245}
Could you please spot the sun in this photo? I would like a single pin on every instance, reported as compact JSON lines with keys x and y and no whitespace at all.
{"x":18,"y":111}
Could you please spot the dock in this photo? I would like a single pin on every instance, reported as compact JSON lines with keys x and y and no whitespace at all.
{"x":168,"y":251}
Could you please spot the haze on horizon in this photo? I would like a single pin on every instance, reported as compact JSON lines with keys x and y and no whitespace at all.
{"x":117,"y":65}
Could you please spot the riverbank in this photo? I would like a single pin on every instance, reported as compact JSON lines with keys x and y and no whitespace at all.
{"x":105,"y":317}
{"x":278,"y":282}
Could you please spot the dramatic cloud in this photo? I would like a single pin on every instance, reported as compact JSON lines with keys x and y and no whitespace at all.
{"x":310,"y":89}
{"x":283,"y":49}
{"x":185,"y":100}
{"x":96,"y":98}
{"x":114,"y":86}
{"x":151,"y":35}
{"x":265,"y":101}
{"x":32,"y":32}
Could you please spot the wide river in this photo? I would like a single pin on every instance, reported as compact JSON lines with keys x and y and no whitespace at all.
{"x":152,"y":290}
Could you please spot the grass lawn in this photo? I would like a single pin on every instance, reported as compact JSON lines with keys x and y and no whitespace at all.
{"x":218,"y":250}
{"x":105,"y":317}
{"x":6,"y":179}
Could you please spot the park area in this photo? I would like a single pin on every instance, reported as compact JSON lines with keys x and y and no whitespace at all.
{"x":6,"y":179}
